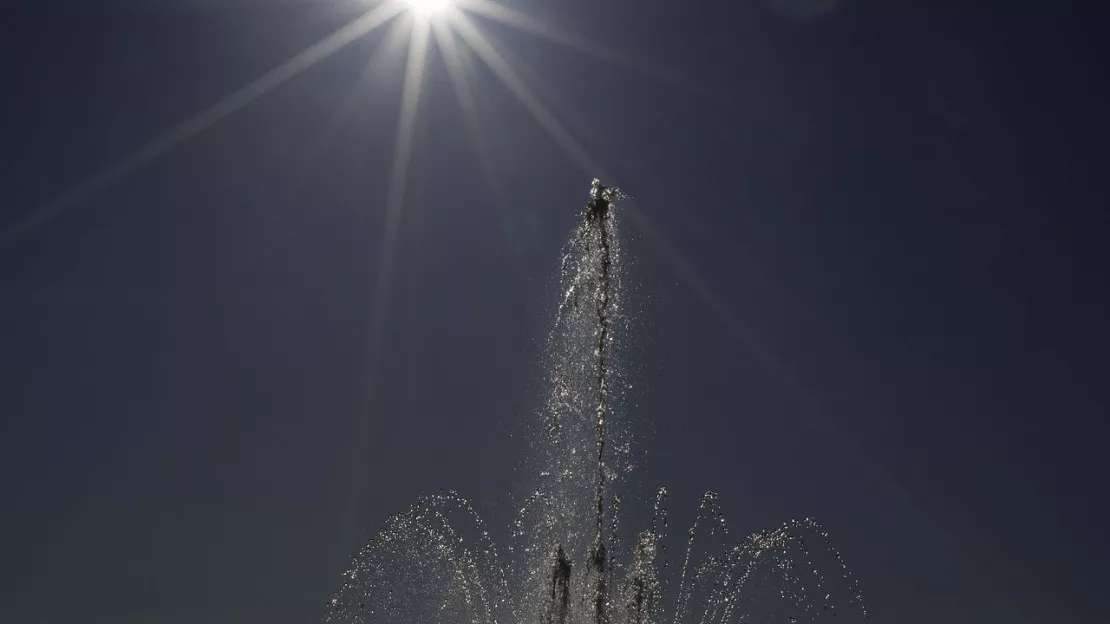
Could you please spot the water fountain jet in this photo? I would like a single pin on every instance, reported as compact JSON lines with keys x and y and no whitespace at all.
{"x":437,"y":562}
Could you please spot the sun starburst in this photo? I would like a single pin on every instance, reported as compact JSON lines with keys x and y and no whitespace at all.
{"x":450,"y":24}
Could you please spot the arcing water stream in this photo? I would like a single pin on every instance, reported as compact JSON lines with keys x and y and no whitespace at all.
{"x":437,"y":562}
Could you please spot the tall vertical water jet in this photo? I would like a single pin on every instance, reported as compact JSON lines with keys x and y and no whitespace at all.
{"x":577,"y":469}
{"x":584,"y":331}
{"x":598,"y":213}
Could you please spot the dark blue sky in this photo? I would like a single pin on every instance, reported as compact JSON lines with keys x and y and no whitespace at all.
{"x":872,"y":290}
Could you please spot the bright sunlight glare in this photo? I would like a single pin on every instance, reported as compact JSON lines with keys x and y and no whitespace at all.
{"x":428,"y":7}
{"x":445,"y":21}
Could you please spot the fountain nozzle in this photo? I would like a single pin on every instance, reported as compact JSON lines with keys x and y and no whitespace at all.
{"x":601,"y":200}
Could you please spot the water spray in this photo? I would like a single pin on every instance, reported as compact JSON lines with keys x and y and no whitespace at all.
{"x":437,"y":562}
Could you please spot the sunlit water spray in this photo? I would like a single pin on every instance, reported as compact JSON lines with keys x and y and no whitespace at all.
{"x":437,"y":562}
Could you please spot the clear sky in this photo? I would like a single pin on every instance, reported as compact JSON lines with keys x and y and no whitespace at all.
{"x":869,"y":265}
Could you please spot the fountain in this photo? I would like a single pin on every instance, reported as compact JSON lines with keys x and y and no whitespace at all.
{"x":437,"y":562}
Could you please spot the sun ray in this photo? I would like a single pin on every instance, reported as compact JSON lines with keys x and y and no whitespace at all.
{"x":345,"y":110}
{"x":445,"y":40}
{"x":121,"y":169}
{"x":452,"y":57}
{"x":402,"y":156}
{"x":452,"y":54}
{"x":387,"y":256}
{"x":508,"y":76}
{"x":528,"y":24}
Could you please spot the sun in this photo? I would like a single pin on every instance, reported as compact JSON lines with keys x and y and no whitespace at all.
{"x":427,"y":7}
{"x":449,"y":26}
